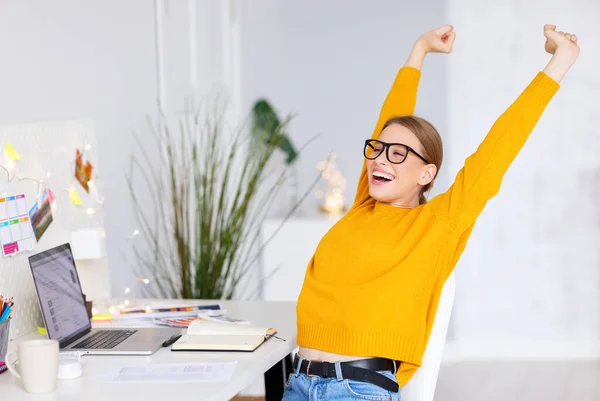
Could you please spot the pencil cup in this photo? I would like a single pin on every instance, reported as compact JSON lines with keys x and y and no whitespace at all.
{"x":4,"y":330}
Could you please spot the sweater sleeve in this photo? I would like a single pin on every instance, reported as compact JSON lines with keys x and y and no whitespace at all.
{"x":481,"y":176}
{"x":400,"y":101}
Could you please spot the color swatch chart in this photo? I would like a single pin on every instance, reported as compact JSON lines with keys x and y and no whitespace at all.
{"x":16,"y":233}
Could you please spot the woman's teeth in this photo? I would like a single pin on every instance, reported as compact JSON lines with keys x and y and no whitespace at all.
{"x":384,"y":176}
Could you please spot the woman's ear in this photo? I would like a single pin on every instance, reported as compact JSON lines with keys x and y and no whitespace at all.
{"x":429,"y":172}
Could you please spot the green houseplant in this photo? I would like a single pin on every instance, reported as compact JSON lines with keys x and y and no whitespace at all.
{"x":211,"y":193}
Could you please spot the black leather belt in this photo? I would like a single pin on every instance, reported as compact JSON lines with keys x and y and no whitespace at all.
{"x":364,"y":370}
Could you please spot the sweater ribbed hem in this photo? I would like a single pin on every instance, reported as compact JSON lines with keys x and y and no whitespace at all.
{"x":361,"y":343}
{"x":543,"y":88}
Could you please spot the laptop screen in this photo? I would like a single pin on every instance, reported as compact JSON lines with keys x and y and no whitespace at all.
{"x":59,"y":292}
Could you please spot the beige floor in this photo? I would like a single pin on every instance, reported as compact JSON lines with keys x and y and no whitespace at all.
{"x":519,"y":381}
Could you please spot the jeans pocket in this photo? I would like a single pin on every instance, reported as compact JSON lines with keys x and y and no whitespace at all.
{"x":369,"y":391}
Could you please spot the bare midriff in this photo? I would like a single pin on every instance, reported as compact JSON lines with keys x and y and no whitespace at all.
{"x":322,"y":356}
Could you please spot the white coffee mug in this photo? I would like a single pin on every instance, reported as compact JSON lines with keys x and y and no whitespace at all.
{"x":38,"y":365}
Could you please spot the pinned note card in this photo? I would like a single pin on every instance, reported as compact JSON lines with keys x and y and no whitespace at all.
{"x":11,"y":152}
{"x":51,"y":197}
{"x":74,"y":196}
{"x":83,"y":171}
{"x":41,"y":215}
{"x":16,"y":232}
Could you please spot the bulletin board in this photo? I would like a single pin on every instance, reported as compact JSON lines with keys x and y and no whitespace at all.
{"x":50,"y":186}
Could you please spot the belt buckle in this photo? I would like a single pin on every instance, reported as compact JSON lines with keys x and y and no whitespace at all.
{"x":308,"y":370}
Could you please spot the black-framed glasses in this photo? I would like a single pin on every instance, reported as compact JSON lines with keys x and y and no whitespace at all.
{"x":396,"y":153}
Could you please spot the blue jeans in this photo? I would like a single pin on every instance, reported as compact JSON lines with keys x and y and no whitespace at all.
{"x":301,"y":387}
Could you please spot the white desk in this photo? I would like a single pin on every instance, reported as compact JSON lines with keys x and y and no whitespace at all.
{"x":250,"y":366}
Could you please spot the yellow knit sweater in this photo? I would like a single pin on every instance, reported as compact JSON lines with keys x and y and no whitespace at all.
{"x":373,"y":285}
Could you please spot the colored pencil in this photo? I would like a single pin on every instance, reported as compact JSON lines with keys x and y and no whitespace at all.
{"x":6,"y":307}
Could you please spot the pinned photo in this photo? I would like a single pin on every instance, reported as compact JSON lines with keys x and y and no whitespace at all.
{"x":83,"y":171}
{"x":41,"y":216}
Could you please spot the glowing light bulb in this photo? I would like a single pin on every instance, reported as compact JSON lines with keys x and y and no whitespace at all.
{"x":88,"y":146}
{"x":146,"y":281}
{"x":90,"y":211}
{"x":126,"y":302}
{"x":334,"y":195}
{"x":94,"y":311}
{"x":127,"y":290}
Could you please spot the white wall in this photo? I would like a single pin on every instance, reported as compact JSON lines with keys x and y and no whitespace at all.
{"x":69,"y":60}
{"x":331,"y":64}
{"x":528,"y":284}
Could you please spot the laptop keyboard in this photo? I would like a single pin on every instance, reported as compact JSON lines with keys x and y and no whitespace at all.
{"x":104,"y":339}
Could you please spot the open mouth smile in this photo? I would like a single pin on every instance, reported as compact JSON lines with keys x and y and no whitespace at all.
{"x":379,"y":177}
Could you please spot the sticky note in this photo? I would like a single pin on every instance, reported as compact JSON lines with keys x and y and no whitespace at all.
{"x":105,"y":317}
{"x":42,"y":330}
{"x":75,"y":199}
{"x":11,"y":152}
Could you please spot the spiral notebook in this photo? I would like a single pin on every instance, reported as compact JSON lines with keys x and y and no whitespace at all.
{"x":207,"y":335}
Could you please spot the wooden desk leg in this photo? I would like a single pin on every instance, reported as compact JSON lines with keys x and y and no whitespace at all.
{"x":276,"y":377}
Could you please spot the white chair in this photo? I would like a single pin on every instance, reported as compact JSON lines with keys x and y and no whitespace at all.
{"x":421,"y":387}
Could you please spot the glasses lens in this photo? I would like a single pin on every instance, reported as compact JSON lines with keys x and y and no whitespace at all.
{"x":397,"y":153}
{"x":373,"y":149}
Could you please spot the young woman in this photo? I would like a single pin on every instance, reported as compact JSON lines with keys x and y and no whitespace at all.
{"x":372,"y":288}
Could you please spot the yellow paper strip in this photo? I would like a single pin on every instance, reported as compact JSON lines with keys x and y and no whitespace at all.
{"x":11,"y":152}
{"x":75,"y":199}
{"x":42,"y":330}
{"x":102,"y":317}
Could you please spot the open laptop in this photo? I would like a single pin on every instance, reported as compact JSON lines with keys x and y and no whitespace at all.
{"x":65,"y":315}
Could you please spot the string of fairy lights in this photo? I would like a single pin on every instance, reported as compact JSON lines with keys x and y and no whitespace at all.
{"x":10,"y":164}
{"x":332,"y":197}
{"x":10,"y":161}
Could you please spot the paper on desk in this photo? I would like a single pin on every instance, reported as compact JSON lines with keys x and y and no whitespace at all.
{"x":177,"y":372}
{"x":124,"y":324}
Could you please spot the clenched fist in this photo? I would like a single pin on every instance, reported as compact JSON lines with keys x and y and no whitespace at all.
{"x":560,"y":41}
{"x":439,"y":40}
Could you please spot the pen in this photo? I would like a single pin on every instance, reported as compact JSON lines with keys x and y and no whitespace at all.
{"x":171,"y":340}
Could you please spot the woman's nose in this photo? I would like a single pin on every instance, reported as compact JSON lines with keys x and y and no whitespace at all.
{"x":381,"y":159}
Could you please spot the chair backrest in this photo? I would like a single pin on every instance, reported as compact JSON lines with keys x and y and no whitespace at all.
{"x":421,"y":387}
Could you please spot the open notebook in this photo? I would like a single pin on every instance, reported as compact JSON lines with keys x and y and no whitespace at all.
{"x":206,"y":335}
